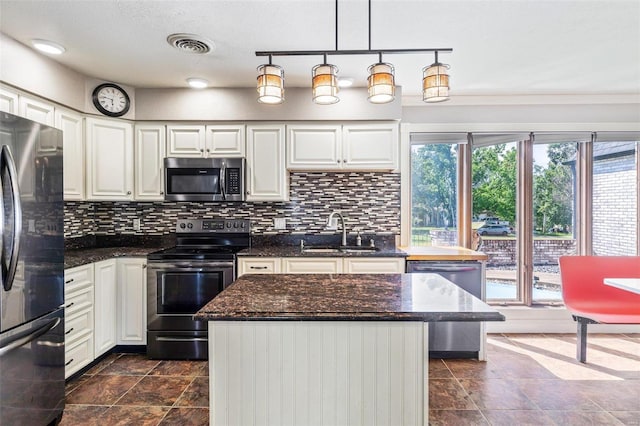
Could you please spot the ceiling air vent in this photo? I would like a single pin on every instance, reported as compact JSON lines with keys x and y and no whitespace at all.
{"x":191,"y":43}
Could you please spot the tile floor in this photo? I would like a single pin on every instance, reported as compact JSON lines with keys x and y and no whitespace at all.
{"x":528,"y":379}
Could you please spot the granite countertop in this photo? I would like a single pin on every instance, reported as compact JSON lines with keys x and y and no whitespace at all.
{"x":442,"y":253}
{"x":356,"y":297}
{"x":294,"y":251}
{"x":83,"y":256}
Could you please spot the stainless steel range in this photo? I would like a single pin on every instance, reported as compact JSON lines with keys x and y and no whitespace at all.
{"x":182,"y":279}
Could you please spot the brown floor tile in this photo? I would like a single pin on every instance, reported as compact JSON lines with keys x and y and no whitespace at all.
{"x":196,"y":394}
{"x":438,"y":370}
{"x":517,"y":417}
{"x":456,"y":417}
{"x":102,"y":390}
{"x":469,"y":368}
{"x":82,"y":415}
{"x":180,"y":368}
{"x":102,"y":364}
{"x":614,"y":395}
{"x":73,"y":384}
{"x":162,"y":391}
{"x":497,"y":394}
{"x":447,"y":394}
{"x":186,"y":417}
{"x":132,"y":365}
{"x":628,"y":418}
{"x":127,"y":416}
{"x":583,"y":418}
{"x":556,"y":395}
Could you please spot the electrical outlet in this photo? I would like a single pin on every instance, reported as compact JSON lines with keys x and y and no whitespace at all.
{"x":136,"y":224}
{"x":32,"y":225}
{"x":280,"y":223}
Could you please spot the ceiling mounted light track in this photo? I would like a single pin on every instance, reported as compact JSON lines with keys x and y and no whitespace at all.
{"x":381,"y":80}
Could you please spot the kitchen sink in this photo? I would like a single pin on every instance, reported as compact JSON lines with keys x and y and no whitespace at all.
{"x":345,"y":249}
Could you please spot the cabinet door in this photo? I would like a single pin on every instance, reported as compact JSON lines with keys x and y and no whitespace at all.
{"x":105,"y":306}
{"x":267,"y":177}
{"x":185,"y":141}
{"x":259,"y":265}
{"x":225,"y":140}
{"x":312,"y":265}
{"x":132,"y":302}
{"x":72,"y":128}
{"x":374,"y":265}
{"x":109,"y":160}
{"x":8,"y":101}
{"x":370,"y":146}
{"x":149,"y":162}
{"x":37,"y":110}
{"x":312,"y":147}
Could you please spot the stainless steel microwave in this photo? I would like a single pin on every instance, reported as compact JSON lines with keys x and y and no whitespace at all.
{"x":204,"y":179}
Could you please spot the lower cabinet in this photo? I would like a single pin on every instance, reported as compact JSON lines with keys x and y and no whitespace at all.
{"x":105,"y":305}
{"x":320,"y":265}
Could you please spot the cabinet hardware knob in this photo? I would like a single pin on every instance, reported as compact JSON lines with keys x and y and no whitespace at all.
{"x":161,"y":192}
{"x":201,"y":150}
{"x":128,"y":192}
{"x":70,"y":330}
{"x":208,"y":150}
{"x":69,"y":281}
{"x":68,"y":362}
{"x":144,"y":266}
{"x":337,"y":161}
{"x":70,"y":305}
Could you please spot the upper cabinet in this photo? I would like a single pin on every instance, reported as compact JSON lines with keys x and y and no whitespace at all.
{"x":36,"y":110}
{"x":206,"y":141}
{"x":71,"y":124}
{"x":149,"y":162}
{"x":366,"y":146}
{"x":109,"y":160}
{"x":8,"y":101}
{"x":267,"y":177}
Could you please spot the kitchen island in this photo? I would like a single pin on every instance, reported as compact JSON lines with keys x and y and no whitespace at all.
{"x":328,"y":349}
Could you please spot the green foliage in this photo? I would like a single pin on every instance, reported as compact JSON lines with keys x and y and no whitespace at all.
{"x":494,"y":181}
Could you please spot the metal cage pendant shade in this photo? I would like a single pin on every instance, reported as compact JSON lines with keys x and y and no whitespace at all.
{"x":435,"y":82}
{"x":270,"y":84}
{"x":325,"y":83}
{"x":381,"y":83}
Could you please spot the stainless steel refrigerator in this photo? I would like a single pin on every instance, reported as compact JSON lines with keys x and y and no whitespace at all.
{"x":32,"y":267}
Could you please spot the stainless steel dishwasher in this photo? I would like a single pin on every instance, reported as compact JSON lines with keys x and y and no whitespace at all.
{"x":454,"y":339}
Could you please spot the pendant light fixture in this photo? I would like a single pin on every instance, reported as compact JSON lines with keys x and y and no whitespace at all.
{"x":435,"y":82}
{"x":380,"y":83}
{"x":270,"y":83}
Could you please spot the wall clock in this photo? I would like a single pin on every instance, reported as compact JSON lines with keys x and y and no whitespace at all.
{"x":111,"y":99}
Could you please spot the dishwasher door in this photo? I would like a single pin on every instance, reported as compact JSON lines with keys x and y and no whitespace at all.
{"x":454,"y":339}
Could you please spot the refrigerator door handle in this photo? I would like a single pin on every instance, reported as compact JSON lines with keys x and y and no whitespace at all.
{"x":222,"y":180}
{"x":23,"y":340}
{"x":424,"y":268}
{"x":9,"y":272}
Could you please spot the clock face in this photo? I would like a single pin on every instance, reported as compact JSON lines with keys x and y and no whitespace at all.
{"x":111,"y":100}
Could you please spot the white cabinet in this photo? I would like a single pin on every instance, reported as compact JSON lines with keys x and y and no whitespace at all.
{"x":79,"y":318}
{"x":149,"y":155}
{"x":312,"y":147}
{"x":310,"y":265}
{"x":225,"y":140}
{"x":132,"y":302}
{"x":267,"y":176}
{"x":206,"y":141}
{"x":72,"y":126}
{"x":185,"y":140}
{"x":109,"y":160}
{"x":105,"y":310}
{"x":37,"y":110}
{"x":366,"y":146}
{"x":320,"y":265}
{"x":8,"y":101}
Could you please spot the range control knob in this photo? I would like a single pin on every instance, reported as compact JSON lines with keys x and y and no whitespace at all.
{"x":182,"y":225}
{"x":228,"y":224}
{"x":235,"y":224}
{"x":189,"y":225}
{"x":241,"y":224}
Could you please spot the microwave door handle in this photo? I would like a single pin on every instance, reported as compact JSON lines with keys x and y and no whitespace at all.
{"x":9,"y":273}
{"x":223,"y":173}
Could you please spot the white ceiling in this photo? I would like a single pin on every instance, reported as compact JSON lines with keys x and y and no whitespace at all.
{"x":500,"y":47}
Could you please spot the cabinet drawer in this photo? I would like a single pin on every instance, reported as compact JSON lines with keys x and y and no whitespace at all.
{"x":78,"y":355}
{"x":78,"y":324}
{"x":315,"y":265}
{"x":258,"y":265}
{"x":77,"y":301}
{"x":377,"y":265}
{"x":77,"y":278}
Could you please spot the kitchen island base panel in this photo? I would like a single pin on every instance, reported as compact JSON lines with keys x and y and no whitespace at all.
{"x":318,"y":372}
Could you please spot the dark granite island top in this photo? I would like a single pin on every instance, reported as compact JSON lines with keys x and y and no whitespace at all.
{"x":346,"y":297}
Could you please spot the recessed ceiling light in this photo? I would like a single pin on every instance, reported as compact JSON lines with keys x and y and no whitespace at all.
{"x":345,"y":82}
{"x":47,"y":46}
{"x":197,"y":83}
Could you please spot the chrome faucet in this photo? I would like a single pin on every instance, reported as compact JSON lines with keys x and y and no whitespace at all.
{"x":344,"y":228}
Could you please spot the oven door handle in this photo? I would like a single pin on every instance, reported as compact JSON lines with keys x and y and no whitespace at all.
{"x":181,"y":339}
{"x":188,"y":265}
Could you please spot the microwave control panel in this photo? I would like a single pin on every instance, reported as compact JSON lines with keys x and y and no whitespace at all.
{"x":190,"y":226}
{"x":233,"y":181}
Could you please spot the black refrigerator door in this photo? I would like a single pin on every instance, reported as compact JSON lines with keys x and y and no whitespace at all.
{"x":32,"y":372}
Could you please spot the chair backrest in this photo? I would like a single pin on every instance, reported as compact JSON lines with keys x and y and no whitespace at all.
{"x":582,"y":277}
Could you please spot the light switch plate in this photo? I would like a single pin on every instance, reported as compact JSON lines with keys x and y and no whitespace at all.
{"x":280,"y":223}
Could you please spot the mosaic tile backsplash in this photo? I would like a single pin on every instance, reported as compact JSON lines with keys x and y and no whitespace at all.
{"x":369,"y":202}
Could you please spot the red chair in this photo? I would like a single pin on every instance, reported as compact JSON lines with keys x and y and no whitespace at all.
{"x":590,"y":301}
